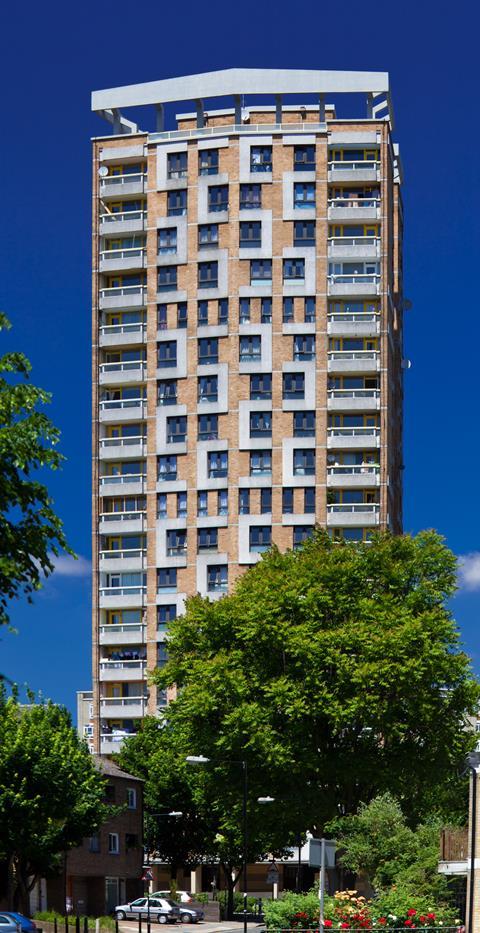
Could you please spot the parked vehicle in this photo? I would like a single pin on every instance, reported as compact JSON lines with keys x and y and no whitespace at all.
{"x":159,"y":908}
{"x":189,"y":914}
{"x":7,"y":924}
{"x":26,"y":925}
{"x":183,"y":896}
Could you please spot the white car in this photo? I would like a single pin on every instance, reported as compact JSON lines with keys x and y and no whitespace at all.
{"x":160,"y":909}
{"x":183,"y":896}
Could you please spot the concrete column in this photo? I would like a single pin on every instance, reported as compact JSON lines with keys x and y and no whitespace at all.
{"x":321,"y":108}
{"x":199,"y":109}
{"x":369,"y":106}
{"x":117,"y":126}
{"x":160,"y":117}
{"x":278,"y":108}
{"x":196,"y":880}
{"x":238,"y":108}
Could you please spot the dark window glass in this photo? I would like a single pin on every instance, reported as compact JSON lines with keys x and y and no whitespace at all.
{"x":265,"y":501}
{"x":207,"y":427}
{"x":208,"y":162}
{"x":222,"y":502}
{"x":250,"y":197}
{"x":167,"y":354}
{"x":217,"y":464}
{"x":244,"y":501}
{"x":260,"y":462}
{"x":162,"y":505}
{"x":293,"y":385}
{"x":304,"y":158}
{"x":244,"y":310}
{"x":293,"y":270}
{"x":166,"y":614}
{"x":202,"y":313}
{"x":207,"y":539}
{"x":250,"y":233}
{"x":304,"y":424}
{"x":304,"y":194}
{"x":260,"y":158}
{"x":167,"y":468}
{"x":304,"y":462}
{"x":177,"y":429}
{"x":182,"y":504}
{"x":176,"y":541}
{"x":202,"y":503}
{"x":260,"y":424}
{"x":260,"y":537}
{"x":304,"y":347}
{"x":167,"y":240}
{"x":287,"y":310}
{"x":208,"y":274}
{"x":309,"y":500}
{"x":266,"y":311}
{"x":250,"y":348}
{"x":260,"y":271}
{"x":167,"y":579}
{"x":182,"y":314}
{"x":162,"y":317}
{"x":301,"y":533}
{"x":287,"y":500}
{"x":207,"y":350}
{"x":217,"y":577}
{"x":167,"y":392}
{"x":167,"y":279}
{"x":208,"y":388}
{"x":207,"y":236}
{"x":176,"y":164}
{"x":261,"y":386}
{"x":304,"y":233}
{"x":176,"y":202}
{"x":217,"y":198}
{"x":309,"y":311}
{"x":223,"y":311}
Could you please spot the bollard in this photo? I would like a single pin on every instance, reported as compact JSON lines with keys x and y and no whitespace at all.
{"x":148,"y":926}
{"x":85,"y":925}
{"x":116,"y":925}
{"x":97,"y":925}
{"x":77,"y":924}
{"x":55,"y":930}
{"x":66,"y":923}
{"x":139,"y":923}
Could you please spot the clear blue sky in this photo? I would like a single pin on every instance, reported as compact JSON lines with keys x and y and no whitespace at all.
{"x":53,"y":55}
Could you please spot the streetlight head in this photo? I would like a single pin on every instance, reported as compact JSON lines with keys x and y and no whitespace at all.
{"x":176,"y":813}
{"x":197,"y":760}
{"x":266,"y":799}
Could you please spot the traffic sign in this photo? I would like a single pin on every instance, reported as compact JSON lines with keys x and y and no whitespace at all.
{"x":147,"y":875}
{"x":273,"y":876}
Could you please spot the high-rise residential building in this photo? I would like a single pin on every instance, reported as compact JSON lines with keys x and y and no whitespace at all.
{"x":247,"y":345}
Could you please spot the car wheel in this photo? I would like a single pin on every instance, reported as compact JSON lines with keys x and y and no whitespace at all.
{"x":162,"y":918}
{"x":185,"y":918}
{"x":120,"y":915}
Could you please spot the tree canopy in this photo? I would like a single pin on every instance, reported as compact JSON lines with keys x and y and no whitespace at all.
{"x":51,"y":793}
{"x":31,"y":534}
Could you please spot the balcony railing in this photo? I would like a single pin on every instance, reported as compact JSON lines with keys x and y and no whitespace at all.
{"x":354,"y":202}
{"x":359,"y":166}
{"x":354,"y":393}
{"x":362,"y":317}
{"x":353,"y":354}
{"x":132,"y":252}
{"x":133,"y":665}
{"x":122,"y":367}
{"x":134,"y":328}
{"x":357,"y":278}
{"x":123,"y":590}
{"x":110,"y":403}
{"x":354,"y":470}
{"x":124,"y":478}
{"x":117,"y":181}
{"x":122,"y":216}
{"x":370,"y":507}
{"x":123,"y":441}
{"x":123,"y":628}
{"x":354,"y":432}
{"x":125,"y":290}
{"x":122,"y":703}
{"x":353,"y":241}
{"x":123,"y":555}
{"x":121,"y":516}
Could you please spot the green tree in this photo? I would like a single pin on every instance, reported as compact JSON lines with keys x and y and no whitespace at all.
{"x":51,"y":794}
{"x":31,"y":534}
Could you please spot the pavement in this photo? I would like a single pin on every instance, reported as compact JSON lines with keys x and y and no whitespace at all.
{"x":204,"y":926}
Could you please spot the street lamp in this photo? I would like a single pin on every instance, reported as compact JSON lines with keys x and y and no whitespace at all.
{"x":299,"y":864}
{"x":202,"y":760}
{"x":473,"y":765}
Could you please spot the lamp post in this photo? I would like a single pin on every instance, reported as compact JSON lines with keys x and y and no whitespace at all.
{"x":473,"y":764}
{"x":173,"y":814}
{"x":202,"y":760}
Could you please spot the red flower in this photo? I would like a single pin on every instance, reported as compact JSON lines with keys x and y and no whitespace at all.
{"x":422,"y":919}
{"x":411,"y":912}
{"x":344,"y":926}
{"x":408,"y":923}
{"x":430,"y":916}
{"x":382,"y":920}
{"x":327,"y":923}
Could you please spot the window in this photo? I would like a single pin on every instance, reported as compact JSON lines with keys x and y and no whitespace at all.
{"x":176,"y":541}
{"x":260,"y":272}
{"x":176,"y":202}
{"x":113,"y":844}
{"x":260,"y":386}
{"x":350,"y":534}
{"x":177,"y":429}
{"x":165,"y":614}
{"x":222,"y":311}
{"x":181,"y":504}
{"x":162,"y":505}
{"x":260,"y":158}
{"x":131,"y":798}
{"x":244,"y":501}
{"x":265,"y":501}
{"x":167,"y":392}
{"x":167,"y":241}
{"x":309,"y":500}
{"x":287,"y":310}
{"x":217,"y":464}
{"x":304,"y":462}
{"x":167,"y":279}
{"x":304,"y":158}
{"x":207,"y":539}
{"x":260,"y":462}
{"x":287,"y":500}
{"x":301,"y":533}
{"x":217,"y":577}
{"x":260,"y":424}
{"x":244,"y":310}
{"x":309,"y":311}
{"x":217,"y":198}
{"x":208,"y":388}
{"x":294,"y":270}
{"x":250,"y":197}
{"x":207,"y":350}
{"x":266,"y":311}
{"x":208,"y":162}
{"x":207,"y":236}
{"x":304,"y":347}
{"x":161,"y":317}
{"x":304,"y":194}
{"x":293,"y":385}
{"x":182,"y":314}
{"x":131,"y":841}
{"x":202,"y":313}
{"x":260,"y":537}
{"x":176,"y":164}
{"x":167,"y":469}
{"x":166,"y":354}
{"x":94,"y":843}
{"x":202,"y":503}
{"x":162,"y":658}
{"x":208,"y":274}
{"x":222,"y":502}
{"x":304,"y":233}
{"x":250,"y":348}
{"x":207,"y":427}
{"x":250,"y":234}
{"x":304,"y":424}
{"x":167,"y":580}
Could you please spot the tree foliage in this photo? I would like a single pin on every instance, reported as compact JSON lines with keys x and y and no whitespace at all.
{"x":51,"y":794}
{"x":30,"y":531}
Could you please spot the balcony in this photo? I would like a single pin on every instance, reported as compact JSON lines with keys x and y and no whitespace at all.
{"x":122,"y":670}
{"x":112,"y":742}
{"x":130,"y":633}
{"x":354,"y":247}
{"x":364,"y":170}
{"x":114,"y":448}
{"x":357,"y":209}
{"x":353,"y":438}
{"x":358,"y":514}
{"x":122,"y":373}
{"x":116,"y":335}
{"x":121,"y":597}
{"x":123,"y":409}
{"x":122,"y":560}
{"x":122,"y":708}
{"x":124,"y":296}
{"x":128,"y":260}
{"x":353,"y":361}
{"x":116,"y":225}
{"x":121,"y":522}
{"x":353,"y":400}
{"x":349,"y":476}
{"x":122,"y":186}
{"x":353,"y":325}
{"x":128,"y":484}
{"x":359,"y":284}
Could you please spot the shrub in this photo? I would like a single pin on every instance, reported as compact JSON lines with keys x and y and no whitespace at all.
{"x":106,"y":923}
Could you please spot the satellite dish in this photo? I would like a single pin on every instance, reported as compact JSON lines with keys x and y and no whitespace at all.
{"x":245,"y":115}
{"x":406,"y":364}
{"x":103,"y":171}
